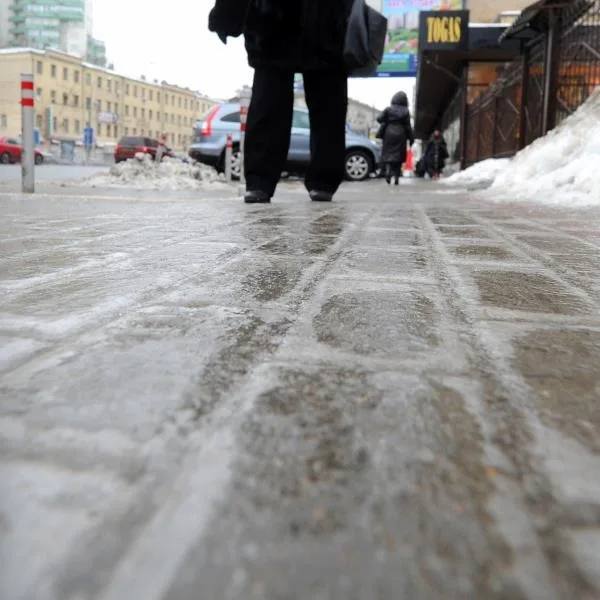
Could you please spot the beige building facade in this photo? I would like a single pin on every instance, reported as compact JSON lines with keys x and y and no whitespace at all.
{"x":70,"y":94}
{"x":489,"y":11}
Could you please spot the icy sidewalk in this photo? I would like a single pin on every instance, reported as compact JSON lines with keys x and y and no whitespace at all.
{"x":392,"y":396}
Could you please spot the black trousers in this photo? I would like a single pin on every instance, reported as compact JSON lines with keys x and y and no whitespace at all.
{"x":270,"y":123}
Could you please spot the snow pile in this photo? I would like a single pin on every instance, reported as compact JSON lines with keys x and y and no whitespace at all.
{"x":171,"y":174}
{"x":561,"y":168}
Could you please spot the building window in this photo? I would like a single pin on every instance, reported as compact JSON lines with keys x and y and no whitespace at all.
{"x":109,"y":85}
{"x":143,"y":93}
{"x":108,"y":132}
{"x":88,"y":103}
{"x":88,"y":79}
{"x":65,"y":125}
{"x":172,"y":100}
{"x":143,"y":132}
{"x":185,"y":104}
{"x":99,"y":129}
{"x":135,"y":112}
{"x":143,"y":113}
{"x":65,"y":99}
{"x":135,"y":91}
{"x":38,"y":93}
{"x":126,"y":130}
{"x":39,"y":67}
{"x":75,"y":100}
{"x":39,"y":121}
{"x":3,"y":121}
{"x":54,"y":124}
{"x":53,"y":97}
{"x":158,"y":96}
{"x":127,"y":89}
{"x":150,"y":95}
{"x":179,"y":102}
{"x":109,"y":106}
{"x":77,"y":126}
{"x":116,"y":131}
{"x":179,"y":120}
{"x":53,"y":71}
{"x":76,"y":76}
{"x":127,"y":110}
{"x":117,"y":87}
{"x":99,"y":83}
{"x":150,"y":115}
{"x":134,"y":131}
{"x":65,"y":74}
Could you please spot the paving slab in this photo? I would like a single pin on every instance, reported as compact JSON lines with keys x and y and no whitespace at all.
{"x":392,"y":396}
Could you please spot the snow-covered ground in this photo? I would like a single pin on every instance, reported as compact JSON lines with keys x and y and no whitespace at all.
{"x":171,"y":174}
{"x":561,"y":168}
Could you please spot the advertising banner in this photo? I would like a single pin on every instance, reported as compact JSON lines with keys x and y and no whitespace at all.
{"x":402,"y":47}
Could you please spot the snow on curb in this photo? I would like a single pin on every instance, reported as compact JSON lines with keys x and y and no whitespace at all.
{"x":563,"y":167}
{"x":171,"y":174}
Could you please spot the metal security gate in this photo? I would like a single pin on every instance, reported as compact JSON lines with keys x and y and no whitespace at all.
{"x":527,"y":99}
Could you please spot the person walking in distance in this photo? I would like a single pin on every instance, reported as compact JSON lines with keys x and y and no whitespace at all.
{"x":284,"y":37}
{"x":436,"y":155}
{"x":396,"y":131}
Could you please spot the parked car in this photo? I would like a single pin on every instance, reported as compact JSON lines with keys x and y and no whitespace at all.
{"x":11,"y":152}
{"x":210,"y":139}
{"x":129,"y":146}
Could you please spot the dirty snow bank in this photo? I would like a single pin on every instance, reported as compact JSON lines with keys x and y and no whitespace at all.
{"x":170,"y":175}
{"x":561,"y":168}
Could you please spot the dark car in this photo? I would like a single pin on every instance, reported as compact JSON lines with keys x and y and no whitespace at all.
{"x":11,"y":152}
{"x":210,"y":139}
{"x":129,"y":146}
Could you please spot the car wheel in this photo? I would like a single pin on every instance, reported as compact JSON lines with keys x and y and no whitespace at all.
{"x":358,"y":165}
{"x":5,"y":158}
{"x":39,"y":159}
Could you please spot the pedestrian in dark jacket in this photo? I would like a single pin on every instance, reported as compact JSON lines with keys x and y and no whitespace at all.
{"x":436,"y":155}
{"x":397,"y":132}
{"x":284,"y":37}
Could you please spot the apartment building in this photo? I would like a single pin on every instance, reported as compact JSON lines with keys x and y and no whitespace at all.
{"x":70,"y":94}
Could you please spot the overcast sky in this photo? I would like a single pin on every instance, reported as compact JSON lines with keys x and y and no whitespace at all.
{"x":170,"y":40}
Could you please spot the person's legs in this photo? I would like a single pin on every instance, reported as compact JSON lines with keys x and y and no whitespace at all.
{"x":396,"y":171}
{"x":268,"y":129}
{"x":327,"y":99}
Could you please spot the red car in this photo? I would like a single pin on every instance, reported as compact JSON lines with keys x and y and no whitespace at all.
{"x":11,"y":151}
{"x":128,"y":147}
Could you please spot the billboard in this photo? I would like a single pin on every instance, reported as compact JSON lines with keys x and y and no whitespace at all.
{"x":402,"y":46}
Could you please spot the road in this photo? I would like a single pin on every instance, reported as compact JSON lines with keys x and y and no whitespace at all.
{"x":10,"y":175}
{"x":394,"y":396}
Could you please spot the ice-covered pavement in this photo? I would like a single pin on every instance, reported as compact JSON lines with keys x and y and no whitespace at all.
{"x":391,"y":397}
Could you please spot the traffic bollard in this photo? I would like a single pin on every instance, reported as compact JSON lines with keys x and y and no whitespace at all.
{"x":245,"y":98}
{"x":27,"y":128}
{"x":228,"y":157}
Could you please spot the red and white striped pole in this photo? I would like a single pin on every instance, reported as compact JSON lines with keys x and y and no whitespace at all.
{"x":245,"y":97}
{"x":228,"y":158}
{"x":27,"y":125}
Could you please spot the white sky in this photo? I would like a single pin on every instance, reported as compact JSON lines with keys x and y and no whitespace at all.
{"x":170,"y":40}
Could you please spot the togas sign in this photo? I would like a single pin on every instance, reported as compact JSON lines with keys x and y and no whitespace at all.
{"x":448,"y":30}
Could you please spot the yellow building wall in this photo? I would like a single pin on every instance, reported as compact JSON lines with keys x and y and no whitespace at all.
{"x":486,"y":11}
{"x":71,"y":94}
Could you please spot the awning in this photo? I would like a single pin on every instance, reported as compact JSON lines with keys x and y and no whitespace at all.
{"x":535,"y":18}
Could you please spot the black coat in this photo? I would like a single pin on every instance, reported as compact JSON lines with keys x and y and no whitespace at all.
{"x":298,"y":35}
{"x":398,"y":130}
{"x":436,"y":155}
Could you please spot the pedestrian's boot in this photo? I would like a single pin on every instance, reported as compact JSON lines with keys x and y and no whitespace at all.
{"x":256,"y":197}
{"x":319,"y":196}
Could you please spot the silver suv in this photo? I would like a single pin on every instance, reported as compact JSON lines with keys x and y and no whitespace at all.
{"x":210,"y":138}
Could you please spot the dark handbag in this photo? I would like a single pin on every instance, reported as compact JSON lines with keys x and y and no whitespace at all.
{"x":365,"y":40}
{"x":381,"y":131}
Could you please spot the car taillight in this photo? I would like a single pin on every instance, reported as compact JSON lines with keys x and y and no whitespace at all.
{"x":206,"y":130}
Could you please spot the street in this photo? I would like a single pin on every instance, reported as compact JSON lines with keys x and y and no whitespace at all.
{"x":393,"y":396}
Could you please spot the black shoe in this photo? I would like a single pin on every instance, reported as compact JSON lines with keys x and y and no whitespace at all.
{"x":388,"y":180}
{"x":317,"y":196}
{"x":256,"y":197}
{"x":397,"y":182}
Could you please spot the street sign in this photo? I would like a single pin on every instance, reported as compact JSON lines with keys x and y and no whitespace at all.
{"x":88,"y":136}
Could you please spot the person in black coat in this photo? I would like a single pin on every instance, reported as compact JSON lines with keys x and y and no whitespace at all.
{"x":284,"y":37}
{"x":396,"y":131}
{"x":435,"y":155}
